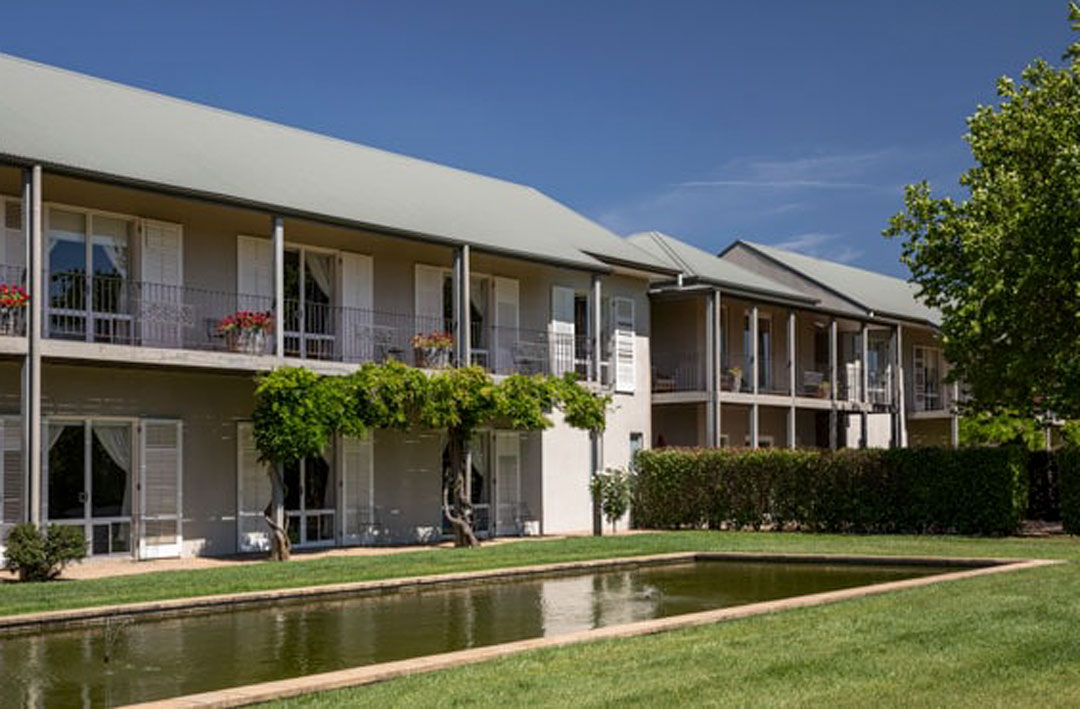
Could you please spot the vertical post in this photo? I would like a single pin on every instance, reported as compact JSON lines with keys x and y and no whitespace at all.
{"x":954,"y":423}
{"x":792,"y":350}
{"x":901,"y":392}
{"x":833,"y":418}
{"x":754,"y":349}
{"x":712,"y":430}
{"x":278,"y":244}
{"x":35,"y":268}
{"x":864,"y":384}
{"x":792,"y":354}
{"x":461,"y":307}
{"x":718,"y":346}
{"x":597,"y":335}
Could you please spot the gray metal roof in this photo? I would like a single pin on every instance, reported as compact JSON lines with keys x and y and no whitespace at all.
{"x":878,"y":293}
{"x":72,"y":121}
{"x":696,"y":263}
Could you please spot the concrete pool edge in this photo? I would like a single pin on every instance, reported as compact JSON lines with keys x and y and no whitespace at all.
{"x":370,"y":674}
{"x":76,"y":617}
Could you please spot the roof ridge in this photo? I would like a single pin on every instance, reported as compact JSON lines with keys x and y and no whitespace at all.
{"x":250,"y":118}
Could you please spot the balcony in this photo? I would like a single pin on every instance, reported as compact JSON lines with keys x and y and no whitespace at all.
{"x":12,"y":317}
{"x":126,"y":312}
{"x":678,"y":372}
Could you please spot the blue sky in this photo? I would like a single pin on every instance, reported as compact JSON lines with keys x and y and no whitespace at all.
{"x":788,"y":123}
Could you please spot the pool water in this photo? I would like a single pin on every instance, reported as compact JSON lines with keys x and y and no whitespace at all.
{"x":131,"y":661}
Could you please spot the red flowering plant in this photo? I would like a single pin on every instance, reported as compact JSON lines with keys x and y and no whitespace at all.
{"x":13,"y":296}
{"x":246,"y":321}
{"x":433,"y":341}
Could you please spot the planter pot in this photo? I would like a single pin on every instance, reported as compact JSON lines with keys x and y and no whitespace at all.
{"x":252,"y":342}
{"x":432,"y":357}
{"x":10,"y":320}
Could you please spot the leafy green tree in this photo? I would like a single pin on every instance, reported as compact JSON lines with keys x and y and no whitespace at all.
{"x":297,"y":412}
{"x":612,"y":491}
{"x":1003,"y":263}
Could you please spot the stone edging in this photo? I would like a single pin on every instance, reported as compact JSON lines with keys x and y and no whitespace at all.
{"x":369,"y":674}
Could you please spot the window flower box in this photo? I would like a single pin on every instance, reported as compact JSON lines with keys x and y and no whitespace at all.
{"x":432,"y":350}
{"x":246,"y":331}
{"x":13,"y":302}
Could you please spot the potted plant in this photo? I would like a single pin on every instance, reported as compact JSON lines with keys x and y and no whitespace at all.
{"x":246,"y":330}
{"x":432,"y":350}
{"x":736,"y":378}
{"x":823,"y":390}
{"x":13,"y":302}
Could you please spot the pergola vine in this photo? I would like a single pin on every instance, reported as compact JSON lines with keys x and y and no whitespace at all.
{"x":297,"y":412}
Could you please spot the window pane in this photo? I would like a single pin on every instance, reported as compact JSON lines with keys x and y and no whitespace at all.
{"x":110,"y":472}
{"x":67,"y":259}
{"x":317,"y":492}
{"x":67,"y":471}
{"x":292,"y":486}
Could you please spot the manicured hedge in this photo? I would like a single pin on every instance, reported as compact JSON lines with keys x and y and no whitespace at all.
{"x":1068,"y":465}
{"x":966,"y":491}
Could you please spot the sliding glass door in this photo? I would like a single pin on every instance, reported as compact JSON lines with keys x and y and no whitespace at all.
{"x":309,"y":304}
{"x":90,"y":481}
{"x":310,"y":502}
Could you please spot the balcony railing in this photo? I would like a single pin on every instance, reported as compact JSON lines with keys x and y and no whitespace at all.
{"x":934,"y":395}
{"x":681,"y":372}
{"x":880,"y":387}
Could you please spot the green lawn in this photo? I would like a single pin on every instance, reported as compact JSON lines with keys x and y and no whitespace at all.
{"x":1002,"y":640}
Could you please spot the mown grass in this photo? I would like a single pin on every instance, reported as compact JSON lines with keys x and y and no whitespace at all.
{"x":1002,"y":640}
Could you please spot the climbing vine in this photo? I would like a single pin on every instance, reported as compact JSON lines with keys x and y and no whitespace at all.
{"x":297,"y":413}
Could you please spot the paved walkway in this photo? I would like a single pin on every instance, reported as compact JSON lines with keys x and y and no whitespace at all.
{"x":101,"y":568}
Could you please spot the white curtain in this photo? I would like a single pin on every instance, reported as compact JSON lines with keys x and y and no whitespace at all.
{"x":112,"y":236}
{"x":318,"y":266}
{"x":116,"y":440}
{"x":55,"y":431}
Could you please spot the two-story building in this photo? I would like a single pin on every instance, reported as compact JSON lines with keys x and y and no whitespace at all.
{"x":762,"y":347}
{"x":148,"y":229}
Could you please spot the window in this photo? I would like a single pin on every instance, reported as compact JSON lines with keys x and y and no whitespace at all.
{"x":637,"y":443}
{"x":927,"y":378}
{"x":764,"y":347}
{"x":309,"y":304}
{"x":309,"y":501}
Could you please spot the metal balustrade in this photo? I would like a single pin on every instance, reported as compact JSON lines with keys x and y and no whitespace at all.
{"x":679,"y":371}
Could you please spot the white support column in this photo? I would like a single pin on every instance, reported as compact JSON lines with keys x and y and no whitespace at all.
{"x":954,"y":422}
{"x":712,"y":358}
{"x":864,"y":385}
{"x":278,"y":244}
{"x":793,"y":350}
{"x":833,"y":383}
{"x":35,"y":268}
{"x":597,"y":334}
{"x":718,"y":345}
{"x":462,"y":311}
{"x":791,"y":427}
{"x":754,"y":348}
{"x":901,"y":390}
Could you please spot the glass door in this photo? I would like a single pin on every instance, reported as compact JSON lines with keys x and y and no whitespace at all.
{"x":309,"y":304}
{"x":89,"y":276}
{"x":90,"y":481}
{"x":309,"y":502}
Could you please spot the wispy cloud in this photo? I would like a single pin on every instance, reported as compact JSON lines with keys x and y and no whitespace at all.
{"x":779,"y":184}
{"x":820,"y":245}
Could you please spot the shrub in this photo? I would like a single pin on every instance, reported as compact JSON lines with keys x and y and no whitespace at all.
{"x":968,"y":491}
{"x":41,"y":557}
{"x":611,"y":489}
{"x":1068,"y":460}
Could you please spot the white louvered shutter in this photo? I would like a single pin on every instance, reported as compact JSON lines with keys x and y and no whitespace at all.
{"x":429,"y":299}
{"x":561,"y":330}
{"x":254,"y":273}
{"x":12,"y":477}
{"x":625,"y":343}
{"x":253,"y":492}
{"x":357,"y":303}
{"x":12,"y":245}
{"x":920,"y":379}
{"x":162,"y":315}
{"x":507,"y":482}
{"x":506,"y":324}
{"x":161,"y":496}
{"x":357,"y":489}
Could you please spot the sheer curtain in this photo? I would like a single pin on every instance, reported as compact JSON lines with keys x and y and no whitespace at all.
{"x":116,"y":440}
{"x":319,"y":268}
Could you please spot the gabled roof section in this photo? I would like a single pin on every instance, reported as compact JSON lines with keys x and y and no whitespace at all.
{"x":876,"y":292}
{"x":74,"y":122}
{"x":704,"y":266}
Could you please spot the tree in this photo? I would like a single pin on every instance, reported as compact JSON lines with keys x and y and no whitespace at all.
{"x":297,"y":412}
{"x":1003,"y":264}
{"x":612,"y":490}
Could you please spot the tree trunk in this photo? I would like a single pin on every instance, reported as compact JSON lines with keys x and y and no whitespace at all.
{"x":275,"y":516}
{"x":460,"y":513}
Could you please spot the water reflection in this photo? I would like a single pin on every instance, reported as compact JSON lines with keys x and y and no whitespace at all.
{"x":156,"y":659}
